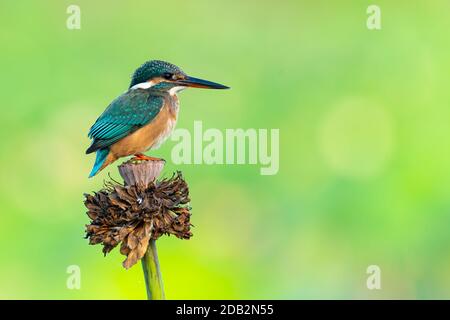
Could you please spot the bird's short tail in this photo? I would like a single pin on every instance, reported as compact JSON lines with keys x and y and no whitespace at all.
{"x":101,"y":156}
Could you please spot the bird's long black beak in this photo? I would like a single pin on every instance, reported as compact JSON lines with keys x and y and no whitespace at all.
{"x":200,"y":83}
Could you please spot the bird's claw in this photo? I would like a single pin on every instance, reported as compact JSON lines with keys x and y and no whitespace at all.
{"x":143,"y":157}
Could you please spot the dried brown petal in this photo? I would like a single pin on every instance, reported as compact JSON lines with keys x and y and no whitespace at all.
{"x":132,"y":215}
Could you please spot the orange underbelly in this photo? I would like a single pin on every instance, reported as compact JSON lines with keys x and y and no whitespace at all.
{"x":147,"y":137}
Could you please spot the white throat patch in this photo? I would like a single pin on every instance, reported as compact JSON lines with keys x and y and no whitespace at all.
{"x":175,"y":90}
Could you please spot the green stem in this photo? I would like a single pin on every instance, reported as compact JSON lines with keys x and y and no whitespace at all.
{"x":152,"y":273}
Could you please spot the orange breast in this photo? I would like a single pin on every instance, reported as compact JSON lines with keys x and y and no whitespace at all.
{"x":147,"y":137}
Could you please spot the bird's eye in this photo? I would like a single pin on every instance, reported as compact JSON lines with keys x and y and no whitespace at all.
{"x":168,"y":76}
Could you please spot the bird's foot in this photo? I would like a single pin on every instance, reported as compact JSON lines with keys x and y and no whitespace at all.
{"x":143,"y":157}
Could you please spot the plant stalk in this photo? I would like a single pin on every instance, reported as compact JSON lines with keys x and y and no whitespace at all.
{"x":152,"y":273}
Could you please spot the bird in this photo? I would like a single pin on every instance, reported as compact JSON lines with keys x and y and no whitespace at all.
{"x":144,"y":116}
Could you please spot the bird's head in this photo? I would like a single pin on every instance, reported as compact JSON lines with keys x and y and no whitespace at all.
{"x":161,"y":75}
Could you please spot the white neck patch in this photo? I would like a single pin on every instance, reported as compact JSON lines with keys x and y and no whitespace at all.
{"x":144,"y":85}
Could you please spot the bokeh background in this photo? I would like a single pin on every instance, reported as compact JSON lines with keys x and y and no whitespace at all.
{"x":364,"y":146}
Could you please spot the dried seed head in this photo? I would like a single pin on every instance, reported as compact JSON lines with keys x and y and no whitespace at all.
{"x":132,"y":215}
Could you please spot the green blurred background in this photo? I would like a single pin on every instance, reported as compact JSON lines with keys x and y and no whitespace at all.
{"x":364,"y":146}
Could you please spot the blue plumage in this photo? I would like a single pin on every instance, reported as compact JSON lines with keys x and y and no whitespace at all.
{"x":129,"y":112}
{"x":99,"y":160}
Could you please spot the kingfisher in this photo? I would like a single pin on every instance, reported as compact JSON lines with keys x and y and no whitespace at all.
{"x":144,"y":116}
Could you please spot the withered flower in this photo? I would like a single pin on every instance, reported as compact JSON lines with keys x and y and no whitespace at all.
{"x":132,"y":215}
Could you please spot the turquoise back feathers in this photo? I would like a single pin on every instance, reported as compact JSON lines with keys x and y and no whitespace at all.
{"x":126,"y":114}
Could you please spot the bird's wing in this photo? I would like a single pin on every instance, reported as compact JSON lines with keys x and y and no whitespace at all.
{"x":129,"y":112}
